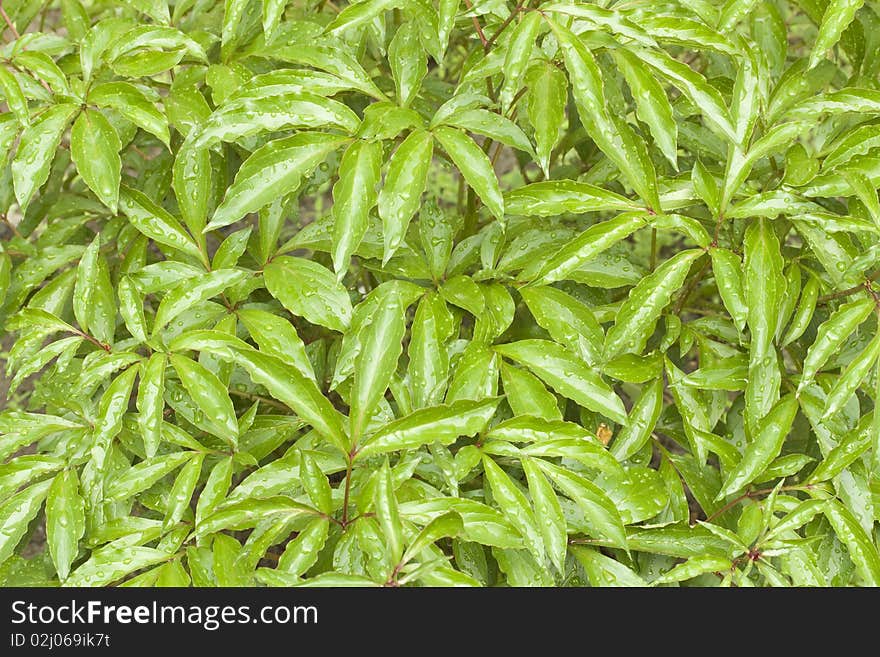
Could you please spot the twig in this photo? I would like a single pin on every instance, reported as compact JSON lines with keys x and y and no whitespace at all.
{"x":347,"y":492}
{"x":750,"y":494}
{"x":851,"y":290}
{"x":93,"y":340}
{"x":692,"y":284}
{"x":263,"y":400}
{"x":505,"y":24}
{"x":718,"y":224}
{"x":477,"y":26}
{"x":8,"y":21}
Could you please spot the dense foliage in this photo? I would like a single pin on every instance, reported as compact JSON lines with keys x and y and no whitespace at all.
{"x":402,"y":292}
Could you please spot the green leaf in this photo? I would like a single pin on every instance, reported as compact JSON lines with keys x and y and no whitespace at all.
{"x":247,"y":116}
{"x":516,"y":58}
{"x":831,"y":335}
{"x":388,"y":515}
{"x":428,"y":357}
{"x":302,"y":552}
{"x":605,"y":571}
{"x":354,"y":195}
{"x":16,"y":514}
{"x":248,"y":513}
{"x":612,"y":135}
{"x":491,"y":125}
{"x":113,"y":405}
{"x":652,"y":104}
{"x":764,"y":286}
{"x":405,"y":182}
{"x":515,"y":506}
{"x":806,"y":308}
{"x":639,"y":493}
{"x":600,"y":514}
{"x":131,"y":102}
{"x":210,"y":395}
{"x":357,"y":14}
{"x":858,"y":544}
{"x":94,"y":304}
{"x":554,"y":197}
{"x":94,"y":147}
{"x":766,"y":446}
{"x":191,"y":178}
{"x":444,"y":526}
{"x":143,"y":475}
{"x":547,"y":508}
{"x":14,"y":96}
{"x":694,"y":87}
{"x":474,"y":166}
{"x":329,"y":56}
{"x":849,"y":449}
{"x":188,"y":293}
{"x":131,"y":307}
{"x":568,"y":375}
{"x":694,"y":567}
{"x":272,"y":171}
{"x":838,"y":15}
{"x":546,"y":97}
{"x":112,"y":562}
{"x":309,"y":290}
{"x":376,"y":363}
{"x":182,"y":491}
{"x":858,"y":369}
{"x":65,"y":521}
{"x":637,"y":317}
{"x":440,"y":424}
{"x":641,"y":422}
{"x":408,"y":62}
{"x":36,"y":151}
{"x":214,"y":492}
{"x":527,"y":395}
{"x":151,"y":402}
{"x":277,"y":337}
{"x":315,"y":483}
{"x":283,"y":382}
{"x":587,"y":245}
{"x":155,"y":223}
{"x":567,"y":320}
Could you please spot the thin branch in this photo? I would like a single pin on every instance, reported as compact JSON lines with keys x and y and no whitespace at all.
{"x":849,"y":291}
{"x":653,"y":263}
{"x":8,"y":21}
{"x":691,"y":286}
{"x":93,"y":340}
{"x":477,"y":26}
{"x":263,"y":400}
{"x":750,"y":494}
{"x":505,"y":24}
{"x":347,"y":493}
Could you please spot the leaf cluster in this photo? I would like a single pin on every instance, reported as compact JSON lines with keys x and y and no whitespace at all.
{"x":434,"y":293}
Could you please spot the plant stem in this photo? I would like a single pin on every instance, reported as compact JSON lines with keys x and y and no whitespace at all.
{"x":9,"y":22}
{"x":347,"y":490}
{"x":263,"y":400}
{"x":93,"y":340}
{"x":750,"y":494}
{"x":477,"y":26}
{"x":505,"y":24}
{"x":691,"y":286}
{"x":849,"y":291}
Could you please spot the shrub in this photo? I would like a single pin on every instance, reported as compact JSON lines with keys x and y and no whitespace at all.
{"x":403,"y":293}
